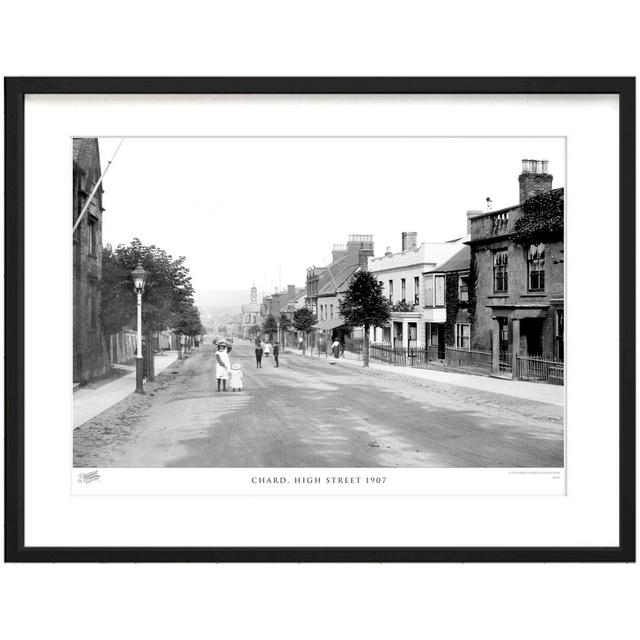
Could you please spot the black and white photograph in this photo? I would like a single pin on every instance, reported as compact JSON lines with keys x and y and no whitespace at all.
{"x":318,"y":302}
{"x":343,"y":317}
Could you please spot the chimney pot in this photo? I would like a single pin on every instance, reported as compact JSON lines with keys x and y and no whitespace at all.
{"x":409,"y":240}
{"x":534,"y":179}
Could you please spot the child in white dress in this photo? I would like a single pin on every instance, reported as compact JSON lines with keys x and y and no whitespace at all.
{"x":236,"y":377}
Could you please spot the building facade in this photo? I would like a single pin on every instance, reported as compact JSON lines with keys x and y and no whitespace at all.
{"x":417,"y":298}
{"x":517,"y":264}
{"x":327,"y":285}
{"x":447,"y":292}
{"x":251,"y":315}
{"x":90,"y":356}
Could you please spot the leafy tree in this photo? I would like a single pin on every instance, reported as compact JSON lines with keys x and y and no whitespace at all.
{"x":285,"y":323}
{"x":168,"y":291}
{"x":364,"y":305}
{"x":189,"y":323}
{"x":270,"y":325}
{"x":303,"y":319}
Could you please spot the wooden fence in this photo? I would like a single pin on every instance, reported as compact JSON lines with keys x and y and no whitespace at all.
{"x":122,"y":347}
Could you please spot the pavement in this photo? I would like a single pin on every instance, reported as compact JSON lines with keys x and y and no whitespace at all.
{"x":314,"y":412}
{"x":535,"y":391}
{"x":93,"y":399}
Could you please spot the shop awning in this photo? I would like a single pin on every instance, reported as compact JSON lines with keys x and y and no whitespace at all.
{"x":327,"y":325}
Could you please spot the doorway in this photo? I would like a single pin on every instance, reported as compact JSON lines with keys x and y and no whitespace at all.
{"x":531,"y":331}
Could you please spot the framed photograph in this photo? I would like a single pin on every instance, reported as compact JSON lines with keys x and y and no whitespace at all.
{"x":320,"y":319}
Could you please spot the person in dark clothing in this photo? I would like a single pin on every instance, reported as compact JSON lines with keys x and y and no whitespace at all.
{"x":276,"y":353}
{"x":258,"y":356}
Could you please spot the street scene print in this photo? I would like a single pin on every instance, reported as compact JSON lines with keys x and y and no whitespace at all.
{"x":318,"y":303}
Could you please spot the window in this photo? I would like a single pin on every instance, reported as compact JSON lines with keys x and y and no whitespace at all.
{"x":391,"y":290}
{"x":428,"y":289}
{"x":535,"y":263}
{"x":416,"y":290}
{"x":463,"y":336}
{"x":93,"y":304}
{"x":439,"y":302}
{"x":433,"y":335}
{"x":403,"y":287}
{"x":500,"y":284}
{"x":463,"y":288}
{"x":503,"y":330}
{"x":560,"y":334}
{"x":331,"y":312}
{"x":93,"y":238}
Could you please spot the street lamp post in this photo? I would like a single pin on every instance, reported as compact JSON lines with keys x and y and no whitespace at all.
{"x":139,"y":275}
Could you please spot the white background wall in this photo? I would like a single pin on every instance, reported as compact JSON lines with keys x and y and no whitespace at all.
{"x":296,"y":601}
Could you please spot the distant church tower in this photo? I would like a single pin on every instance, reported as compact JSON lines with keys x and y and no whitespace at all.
{"x":254,"y":294}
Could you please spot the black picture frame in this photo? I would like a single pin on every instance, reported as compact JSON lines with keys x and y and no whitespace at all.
{"x":15,"y":91}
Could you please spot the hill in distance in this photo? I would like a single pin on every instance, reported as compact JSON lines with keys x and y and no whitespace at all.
{"x":223,"y":298}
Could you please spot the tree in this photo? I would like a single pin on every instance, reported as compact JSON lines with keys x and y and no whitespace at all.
{"x":189,"y":323}
{"x":364,"y":305}
{"x":168,"y":291}
{"x":167,"y":294}
{"x":270,"y":326}
{"x":303,"y":320}
{"x":285,"y":323}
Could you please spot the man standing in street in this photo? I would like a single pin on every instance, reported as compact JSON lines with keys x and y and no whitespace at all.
{"x":258,"y":353}
{"x":276,"y":353}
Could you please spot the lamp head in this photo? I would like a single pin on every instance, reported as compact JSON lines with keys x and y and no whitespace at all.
{"x":139,"y":276}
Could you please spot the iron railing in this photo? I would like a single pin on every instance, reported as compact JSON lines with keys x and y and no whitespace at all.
{"x":531,"y":368}
{"x":539,"y":369}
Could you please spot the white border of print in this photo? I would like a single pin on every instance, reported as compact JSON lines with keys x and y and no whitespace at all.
{"x":586,"y":516}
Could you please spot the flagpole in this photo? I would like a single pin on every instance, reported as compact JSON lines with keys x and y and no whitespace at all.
{"x":93,"y":192}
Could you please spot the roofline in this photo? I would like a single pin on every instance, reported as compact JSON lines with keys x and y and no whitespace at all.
{"x":511,"y":208}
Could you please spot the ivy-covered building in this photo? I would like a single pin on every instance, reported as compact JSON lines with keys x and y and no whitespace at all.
{"x":516,"y":282}
{"x":452,"y":277}
{"x":418,"y":312}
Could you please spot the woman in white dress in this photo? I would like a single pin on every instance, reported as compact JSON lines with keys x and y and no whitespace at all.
{"x":223,"y":365}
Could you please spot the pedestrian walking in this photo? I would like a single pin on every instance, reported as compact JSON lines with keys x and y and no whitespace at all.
{"x":335,"y":347}
{"x":300,"y":341}
{"x":276,"y":353}
{"x":258,"y":355}
{"x":267,"y":349}
{"x":223,"y":364}
{"x":236,"y":377}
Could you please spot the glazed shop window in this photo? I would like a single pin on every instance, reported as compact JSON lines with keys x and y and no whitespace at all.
{"x":500,"y":283}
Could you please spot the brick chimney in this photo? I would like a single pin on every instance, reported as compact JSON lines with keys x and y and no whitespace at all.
{"x":409,"y":240}
{"x":359,"y":248}
{"x":534,"y":179}
{"x":338,"y":251}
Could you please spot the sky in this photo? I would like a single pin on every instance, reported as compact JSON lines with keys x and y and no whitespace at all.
{"x":262,"y":210}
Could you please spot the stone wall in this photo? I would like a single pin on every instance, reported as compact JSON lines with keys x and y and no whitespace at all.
{"x":90,"y":354}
